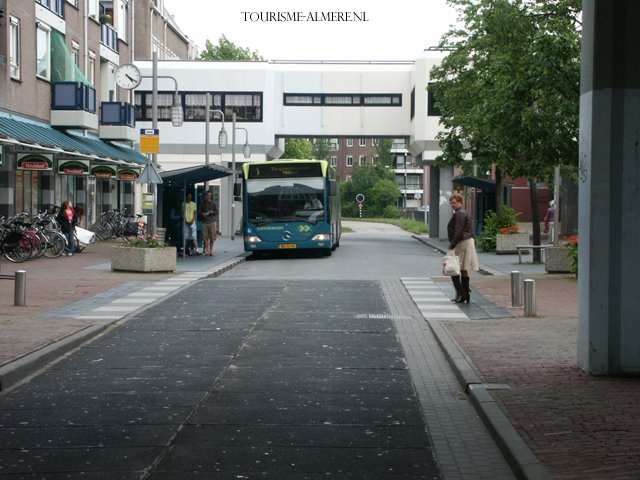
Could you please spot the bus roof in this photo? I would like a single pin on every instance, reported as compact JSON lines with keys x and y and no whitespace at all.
{"x":324,"y":165}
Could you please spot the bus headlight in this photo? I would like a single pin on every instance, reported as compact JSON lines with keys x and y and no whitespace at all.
{"x":321,"y":237}
{"x":252,"y":239}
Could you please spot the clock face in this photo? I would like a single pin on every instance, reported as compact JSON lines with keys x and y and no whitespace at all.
{"x":128,"y":76}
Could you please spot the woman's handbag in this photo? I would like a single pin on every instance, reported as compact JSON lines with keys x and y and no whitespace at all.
{"x":451,"y":264}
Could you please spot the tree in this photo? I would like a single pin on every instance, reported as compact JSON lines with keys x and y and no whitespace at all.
{"x":509,"y":90}
{"x":299,"y":148}
{"x":227,"y":50}
{"x":321,"y":148}
{"x":385,"y":157}
{"x":377,"y":183}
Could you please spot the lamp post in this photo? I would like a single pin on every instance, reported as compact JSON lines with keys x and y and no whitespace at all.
{"x":246,"y":150}
{"x":222,"y":135}
{"x":177,"y":117}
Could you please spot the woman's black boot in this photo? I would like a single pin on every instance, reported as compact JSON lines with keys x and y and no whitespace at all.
{"x":466,"y":291}
{"x":458,"y":286}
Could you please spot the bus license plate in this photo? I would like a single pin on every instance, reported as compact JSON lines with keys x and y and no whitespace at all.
{"x":287,"y":245}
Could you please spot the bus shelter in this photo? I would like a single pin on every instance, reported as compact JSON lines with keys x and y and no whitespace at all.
{"x":173,"y":194}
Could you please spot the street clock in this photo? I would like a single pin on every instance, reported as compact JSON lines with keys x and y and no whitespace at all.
{"x":128,"y":76}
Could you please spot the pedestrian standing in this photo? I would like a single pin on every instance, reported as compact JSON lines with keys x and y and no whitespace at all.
{"x":190,"y":231}
{"x":68,"y":220}
{"x":208,"y":211}
{"x":460,"y":233}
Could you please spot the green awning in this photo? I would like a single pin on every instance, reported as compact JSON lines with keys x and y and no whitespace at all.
{"x":41,"y":135}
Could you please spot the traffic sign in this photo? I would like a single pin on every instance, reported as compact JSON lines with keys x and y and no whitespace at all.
{"x":149,"y":140}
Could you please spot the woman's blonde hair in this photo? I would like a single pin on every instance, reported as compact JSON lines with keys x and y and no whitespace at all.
{"x":457,"y":197}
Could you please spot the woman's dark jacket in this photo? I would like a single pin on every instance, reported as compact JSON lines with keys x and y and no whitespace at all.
{"x":459,"y":228}
{"x":62,"y":219}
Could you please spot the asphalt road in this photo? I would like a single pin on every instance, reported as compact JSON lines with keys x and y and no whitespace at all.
{"x":283,"y":368}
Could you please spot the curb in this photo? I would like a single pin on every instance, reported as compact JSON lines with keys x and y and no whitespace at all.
{"x":517,"y":453}
{"x":18,"y":370}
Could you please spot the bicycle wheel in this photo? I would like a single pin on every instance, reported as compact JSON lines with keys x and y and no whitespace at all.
{"x":104,"y":231}
{"x":38,"y":241}
{"x":78,"y":245}
{"x":56,"y":244}
{"x":17,"y":247}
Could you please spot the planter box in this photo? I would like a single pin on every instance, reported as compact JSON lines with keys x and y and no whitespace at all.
{"x":143,"y":259}
{"x":507,"y":243}
{"x":556,"y":260}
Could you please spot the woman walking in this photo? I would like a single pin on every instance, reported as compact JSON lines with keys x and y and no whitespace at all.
{"x":461,"y":241}
{"x":68,"y":220}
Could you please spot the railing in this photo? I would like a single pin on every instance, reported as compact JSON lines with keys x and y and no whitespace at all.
{"x":117,"y":113}
{"x":73,"y":96}
{"x":109,"y":36}
{"x":56,"y":6}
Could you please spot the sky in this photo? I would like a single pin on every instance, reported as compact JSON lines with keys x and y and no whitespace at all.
{"x":296,"y":30}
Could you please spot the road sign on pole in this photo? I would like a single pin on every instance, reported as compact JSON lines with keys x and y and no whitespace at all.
{"x":149,"y":140}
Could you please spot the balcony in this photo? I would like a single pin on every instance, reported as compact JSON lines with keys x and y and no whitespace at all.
{"x":56,"y":6}
{"x":73,"y":105}
{"x":117,"y":121}
{"x":109,"y":37}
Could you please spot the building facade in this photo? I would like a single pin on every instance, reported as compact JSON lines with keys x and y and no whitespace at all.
{"x":66,"y":128}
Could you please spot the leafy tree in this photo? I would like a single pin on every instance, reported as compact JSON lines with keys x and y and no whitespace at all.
{"x":385,"y":157}
{"x":321,"y":148}
{"x":376,"y":183}
{"x":299,"y":148}
{"x":227,"y":50}
{"x":509,"y":90}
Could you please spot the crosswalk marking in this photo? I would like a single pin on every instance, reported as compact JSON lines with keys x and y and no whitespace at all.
{"x":431,"y":300}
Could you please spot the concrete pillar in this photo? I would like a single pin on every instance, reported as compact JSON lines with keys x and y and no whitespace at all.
{"x":609,"y":197}
{"x":434,"y":202}
{"x":446,"y":189}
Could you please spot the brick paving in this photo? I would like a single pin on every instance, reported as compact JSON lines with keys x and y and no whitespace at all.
{"x":579,"y":426}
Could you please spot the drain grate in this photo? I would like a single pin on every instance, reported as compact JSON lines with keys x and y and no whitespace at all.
{"x":384,"y":316}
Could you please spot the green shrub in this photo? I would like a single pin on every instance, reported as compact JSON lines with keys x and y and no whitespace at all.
{"x":390,"y":211}
{"x":492,"y":225}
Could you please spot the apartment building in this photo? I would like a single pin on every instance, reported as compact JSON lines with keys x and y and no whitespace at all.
{"x":66,"y":127}
{"x":410,"y":173}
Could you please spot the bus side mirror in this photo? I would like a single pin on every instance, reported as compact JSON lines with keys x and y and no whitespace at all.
{"x":333,"y":188}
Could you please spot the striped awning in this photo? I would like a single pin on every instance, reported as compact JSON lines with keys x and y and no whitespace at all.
{"x":40,"y":135}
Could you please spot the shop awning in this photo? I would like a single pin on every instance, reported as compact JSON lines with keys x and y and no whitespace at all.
{"x":42,"y":136}
{"x":193,"y":175}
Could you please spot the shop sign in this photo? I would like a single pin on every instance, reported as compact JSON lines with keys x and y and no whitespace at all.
{"x":103,"y":171}
{"x":128,"y":174}
{"x":35,"y":161}
{"x":74,"y":167}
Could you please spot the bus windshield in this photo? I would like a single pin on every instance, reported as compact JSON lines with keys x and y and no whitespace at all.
{"x":286,"y":200}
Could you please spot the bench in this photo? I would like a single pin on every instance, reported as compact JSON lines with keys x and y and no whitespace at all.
{"x":520,"y":248}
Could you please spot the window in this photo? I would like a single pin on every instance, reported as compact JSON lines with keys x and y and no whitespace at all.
{"x":43,"y":48}
{"x":349,"y":142}
{"x":334,"y":161}
{"x":362,"y":160}
{"x":247,"y":106}
{"x":413,"y":103}
{"x":375,"y":142}
{"x":122,"y":17}
{"x":375,"y":159}
{"x":432,"y":109}
{"x":343,"y":99}
{"x":349,"y":160}
{"x":14,"y":47}
{"x":296,"y":99}
{"x":56,"y":6}
{"x":75,"y":53}
{"x":334,"y":143}
{"x":91,"y":68}
{"x":73,"y":2}
{"x":363,"y":142}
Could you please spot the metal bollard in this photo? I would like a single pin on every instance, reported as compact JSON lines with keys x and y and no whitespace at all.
{"x":529,"y":298}
{"x":20,"y":291}
{"x":516,"y":289}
